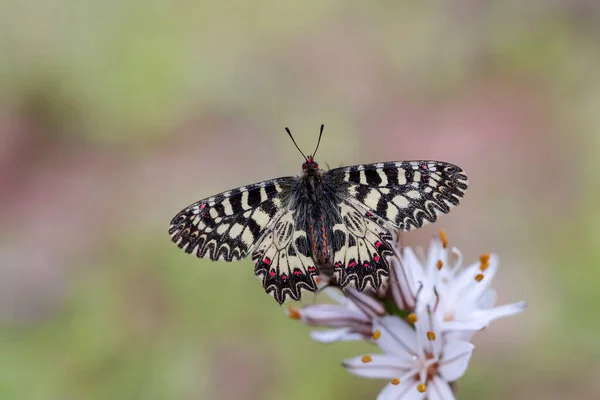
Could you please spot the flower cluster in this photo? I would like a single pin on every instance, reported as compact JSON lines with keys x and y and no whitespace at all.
{"x":423,"y":324}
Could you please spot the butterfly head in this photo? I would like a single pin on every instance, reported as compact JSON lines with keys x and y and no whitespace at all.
{"x":310,"y":163}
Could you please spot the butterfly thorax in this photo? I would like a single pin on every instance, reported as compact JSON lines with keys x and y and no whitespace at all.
{"x":315,"y":202}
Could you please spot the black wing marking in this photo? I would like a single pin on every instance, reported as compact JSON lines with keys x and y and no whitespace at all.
{"x":228,"y":225}
{"x":283,"y":260}
{"x":361,"y":247}
{"x":408,"y":194}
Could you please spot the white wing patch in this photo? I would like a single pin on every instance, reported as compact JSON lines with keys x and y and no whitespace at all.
{"x":283,"y":262}
{"x":360,"y":260}
{"x":229,"y":225}
{"x":408,"y":194}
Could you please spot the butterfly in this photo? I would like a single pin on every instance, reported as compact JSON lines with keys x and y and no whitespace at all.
{"x":334,"y":223}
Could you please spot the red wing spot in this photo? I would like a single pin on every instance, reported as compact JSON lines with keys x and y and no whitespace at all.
{"x":377,"y":244}
{"x":376,"y":258}
{"x":284,"y":277}
{"x":267,"y":261}
{"x":366,"y":264}
{"x":352,"y":264}
{"x":202,"y":206}
{"x":368,"y":214}
{"x":297,"y":272}
{"x":338,"y":264}
{"x":271,"y":273}
{"x":424,"y":166}
{"x":312,"y":269}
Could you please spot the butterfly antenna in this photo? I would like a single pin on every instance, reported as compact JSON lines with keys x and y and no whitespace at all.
{"x":291,"y":137}
{"x":319,"y":141}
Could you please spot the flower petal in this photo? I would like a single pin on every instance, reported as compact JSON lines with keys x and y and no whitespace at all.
{"x":454,"y":336}
{"x":463,"y":283}
{"x":379,"y":366}
{"x":456,"y":260}
{"x":335,"y":294}
{"x":477,"y":290}
{"x":468,"y":325}
{"x":436,"y":253}
{"x":499,"y":312}
{"x":397,"y":337}
{"x":438,"y":389}
{"x":335,"y":335}
{"x":488,"y":299}
{"x":479,"y":319}
{"x":331,"y":315}
{"x":367,"y":304}
{"x":413,"y":269}
{"x":400,"y":286}
{"x":390,"y":392}
{"x":406,"y":390}
{"x":428,"y":332}
{"x":455,"y":360}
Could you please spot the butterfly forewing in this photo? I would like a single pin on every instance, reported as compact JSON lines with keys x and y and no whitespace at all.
{"x":408,"y":194}
{"x":228,"y":225}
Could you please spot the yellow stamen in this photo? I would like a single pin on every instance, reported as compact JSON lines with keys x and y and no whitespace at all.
{"x":421,"y":387}
{"x":376,"y":334}
{"x":440,"y":264}
{"x":443,"y":238}
{"x":366,"y":359}
{"x":479,"y":277}
{"x":431,"y":335}
{"x":412,"y":318}
{"x":484,"y":259}
{"x":484,"y":266}
{"x":395,"y":381}
{"x":294,"y":313}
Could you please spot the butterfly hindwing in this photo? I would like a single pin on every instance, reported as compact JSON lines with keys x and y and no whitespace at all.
{"x":408,"y":194}
{"x":361,"y":247}
{"x":283,"y":260}
{"x":228,"y":225}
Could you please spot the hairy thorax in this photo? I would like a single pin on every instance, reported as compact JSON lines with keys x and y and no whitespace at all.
{"x":316,"y":209}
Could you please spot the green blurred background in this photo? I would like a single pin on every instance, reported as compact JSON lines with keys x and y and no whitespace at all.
{"x":115,"y":115}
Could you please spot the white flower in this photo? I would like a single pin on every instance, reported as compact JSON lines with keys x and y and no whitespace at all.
{"x":352,"y":319}
{"x":463,"y":294}
{"x":417,"y":360}
{"x":423,"y":325}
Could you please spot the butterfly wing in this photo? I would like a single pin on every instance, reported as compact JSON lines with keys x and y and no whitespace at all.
{"x":408,"y":194}
{"x":360,"y":248}
{"x":228,"y":225}
{"x":283,"y":260}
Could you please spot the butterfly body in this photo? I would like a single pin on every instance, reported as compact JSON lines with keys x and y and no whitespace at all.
{"x":314,"y":203}
{"x":335,"y":222}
